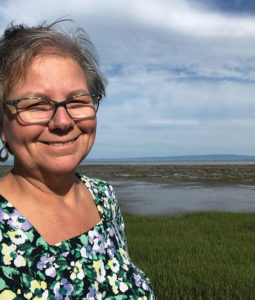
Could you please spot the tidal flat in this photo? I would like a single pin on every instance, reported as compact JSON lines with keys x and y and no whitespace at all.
{"x":241,"y":173}
{"x":171,"y":190}
{"x":174,"y":190}
{"x":173,"y":173}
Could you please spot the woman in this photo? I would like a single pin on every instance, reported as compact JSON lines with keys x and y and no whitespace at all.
{"x":62,"y":234}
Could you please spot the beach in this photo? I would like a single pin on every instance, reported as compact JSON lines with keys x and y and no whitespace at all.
{"x":160,"y":190}
{"x":169,"y":189}
{"x":167,"y":172}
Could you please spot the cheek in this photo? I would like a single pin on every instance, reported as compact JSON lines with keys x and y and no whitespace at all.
{"x":88,"y":126}
{"x":16,"y":135}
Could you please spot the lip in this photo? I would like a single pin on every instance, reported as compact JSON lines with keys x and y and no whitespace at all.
{"x":60,"y":143}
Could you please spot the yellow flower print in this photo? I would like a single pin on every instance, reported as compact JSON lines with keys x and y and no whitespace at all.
{"x":112,"y":281}
{"x":114,"y":265}
{"x":7,"y":295}
{"x":142,"y":298}
{"x":17,"y":236}
{"x":77,"y":271}
{"x":124,"y":256}
{"x":100,"y":270}
{"x":6,"y":251}
{"x":19,"y":260}
{"x":96,"y":266}
{"x":125,"y":267}
{"x":35,"y":287}
{"x":100,"y":209}
{"x":28,"y":295}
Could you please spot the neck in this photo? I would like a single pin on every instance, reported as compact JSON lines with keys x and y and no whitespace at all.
{"x":49,"y":188}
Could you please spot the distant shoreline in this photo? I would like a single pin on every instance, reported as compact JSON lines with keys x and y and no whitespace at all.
{"x":168,"y":162}
{"x":176,"y":158}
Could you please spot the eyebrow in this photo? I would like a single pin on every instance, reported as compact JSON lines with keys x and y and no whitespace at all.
{"x":44,"y":95}
{"x":76,"y":92}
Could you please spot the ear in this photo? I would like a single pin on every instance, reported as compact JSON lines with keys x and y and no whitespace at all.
{"x":3,"y":136}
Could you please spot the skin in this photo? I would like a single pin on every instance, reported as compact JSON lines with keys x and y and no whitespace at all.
{"x":42,"y":184}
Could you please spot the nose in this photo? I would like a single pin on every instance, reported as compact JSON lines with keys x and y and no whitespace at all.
{"x":61,"y":120}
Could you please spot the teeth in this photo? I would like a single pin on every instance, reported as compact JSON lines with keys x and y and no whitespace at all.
{"x":61,"y":144}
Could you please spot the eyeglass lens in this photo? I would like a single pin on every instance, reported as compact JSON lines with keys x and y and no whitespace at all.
{"x":36,"y":110}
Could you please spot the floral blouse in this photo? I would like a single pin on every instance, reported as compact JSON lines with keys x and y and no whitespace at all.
{"x":93,"y":265}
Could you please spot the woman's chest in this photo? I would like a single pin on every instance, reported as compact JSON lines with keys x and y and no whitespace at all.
{"x":93,"y":262}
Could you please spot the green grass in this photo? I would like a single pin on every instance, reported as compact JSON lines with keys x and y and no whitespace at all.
{"x":197,"y":256}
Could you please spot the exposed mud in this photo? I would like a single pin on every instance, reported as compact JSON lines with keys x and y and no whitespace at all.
{"x":167,"y":173}
{"x":173,"y":173}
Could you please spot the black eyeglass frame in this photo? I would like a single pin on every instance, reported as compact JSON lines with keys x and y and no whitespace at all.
{"x":57,"y":104}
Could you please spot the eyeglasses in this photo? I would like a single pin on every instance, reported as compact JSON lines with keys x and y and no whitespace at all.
{"x":33,"y":110}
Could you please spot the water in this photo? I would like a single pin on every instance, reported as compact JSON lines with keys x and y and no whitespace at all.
{"x":145,"y":198}
{"x":169,"y":162}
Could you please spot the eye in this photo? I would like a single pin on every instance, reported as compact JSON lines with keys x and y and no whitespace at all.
{"x":76,"y":104}
{"x":35,"y":104}
{"x":85,"y":99}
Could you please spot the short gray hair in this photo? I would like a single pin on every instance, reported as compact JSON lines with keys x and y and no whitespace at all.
{"x":21,"y":43}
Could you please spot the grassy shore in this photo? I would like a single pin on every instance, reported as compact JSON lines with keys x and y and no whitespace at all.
{"x":197,"y":256}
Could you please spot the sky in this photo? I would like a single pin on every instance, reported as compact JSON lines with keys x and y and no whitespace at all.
{"x":181,"y":74}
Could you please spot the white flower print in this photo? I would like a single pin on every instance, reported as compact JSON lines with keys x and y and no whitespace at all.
{"x":17,"y":236}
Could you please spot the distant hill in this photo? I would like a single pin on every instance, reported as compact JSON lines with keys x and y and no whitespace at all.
{"x":206,"y":157}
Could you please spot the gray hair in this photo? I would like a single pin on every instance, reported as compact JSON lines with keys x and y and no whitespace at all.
{"x":20,"y":44}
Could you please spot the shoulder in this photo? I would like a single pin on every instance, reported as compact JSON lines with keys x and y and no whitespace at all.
{"x":98,"y":186}
{"x":105,"y":197}
{"x":103,"y":193}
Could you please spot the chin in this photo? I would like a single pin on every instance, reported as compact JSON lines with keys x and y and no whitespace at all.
{"x":64,"y":165}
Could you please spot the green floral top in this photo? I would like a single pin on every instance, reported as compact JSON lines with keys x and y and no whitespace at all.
{"x":93,"y":265}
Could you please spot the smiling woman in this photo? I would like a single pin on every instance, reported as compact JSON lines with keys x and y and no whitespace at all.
{"x":61,"y":233}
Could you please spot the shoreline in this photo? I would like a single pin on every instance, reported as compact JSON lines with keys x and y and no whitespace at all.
{"x":175,"y":190}
{"x":174,"y":174}
{"x":179,"y":175}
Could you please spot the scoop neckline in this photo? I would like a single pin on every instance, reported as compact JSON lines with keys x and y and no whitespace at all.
{"x":86,"y":182}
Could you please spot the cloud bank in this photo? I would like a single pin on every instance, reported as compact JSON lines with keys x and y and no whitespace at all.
{"x":181,"y":75}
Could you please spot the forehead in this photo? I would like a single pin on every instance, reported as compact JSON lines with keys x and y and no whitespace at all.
{"x":52,"y":75}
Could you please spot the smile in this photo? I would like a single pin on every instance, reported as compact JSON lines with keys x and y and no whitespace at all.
{"x":60,"y":143}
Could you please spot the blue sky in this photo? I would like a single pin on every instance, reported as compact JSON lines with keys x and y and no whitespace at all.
{"x":181,"y":74}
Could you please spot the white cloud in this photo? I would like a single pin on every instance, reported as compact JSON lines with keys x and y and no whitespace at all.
{"x":180,"y":16}
{"x":181,"y":80}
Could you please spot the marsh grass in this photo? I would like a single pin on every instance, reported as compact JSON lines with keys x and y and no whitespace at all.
{"x":196,"y":256}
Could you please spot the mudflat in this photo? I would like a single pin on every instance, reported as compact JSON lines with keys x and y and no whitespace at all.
{"x":176,"y":189}
{"x":234,"y":173}
{"x":179,"y":189}
{"x":173,"y":173}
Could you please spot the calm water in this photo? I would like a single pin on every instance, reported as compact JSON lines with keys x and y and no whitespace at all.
{"x":164,"y":199}
{"x":170,"y":162}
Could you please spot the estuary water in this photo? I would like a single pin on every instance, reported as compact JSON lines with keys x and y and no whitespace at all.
{"x":146,"y":198}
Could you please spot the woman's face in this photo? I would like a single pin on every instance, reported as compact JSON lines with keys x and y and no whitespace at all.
{"x":60,"y":145}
